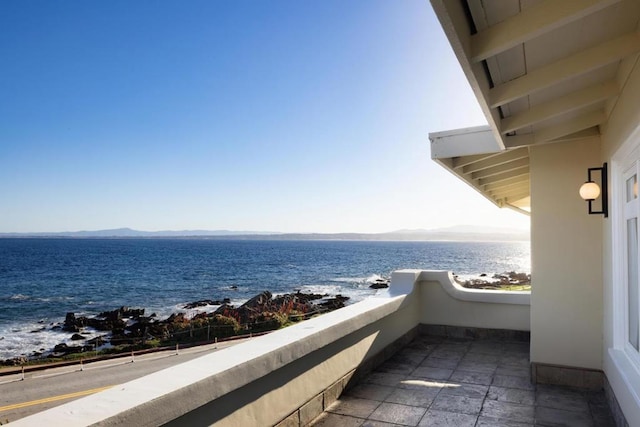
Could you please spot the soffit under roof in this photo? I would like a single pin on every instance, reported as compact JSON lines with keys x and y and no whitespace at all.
{"x":543,"y":71}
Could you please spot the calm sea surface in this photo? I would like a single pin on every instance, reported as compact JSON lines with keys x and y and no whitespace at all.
{"x":42,"y":279}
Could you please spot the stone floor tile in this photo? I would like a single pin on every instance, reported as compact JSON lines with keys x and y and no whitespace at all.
{"x":435,"y":418}
{"x":410,"y":359}
{"x":604,"y":420}
{"x":494,"y":422}
{"x":514,"y":371}
{"x":436,"y":362}
{"x":560,"y":401}
{"x":507,"y":411}
{"x":384,"y":378}
{"x":415,"y":352}
{"x":509,"y":381}
{"x":495,"y":348}
{"x":395,"y":368}
{"x":551,"y":417}
{"x":512,"y":395}
{"x":477,"y":391}
{"x":487,"y":368}
{"x":517,"y":347}
{"x":447,"y":354}
{"x":417,"y":383}
{"x":471,"y":377}
{"x":328,"y":419}
{"x":456,"y":345}
{"x":521,"y":360}
{"x":463,"y":383}
{"x":422,"y":347}
{"x":433,"y":373}
{"x":459,"y":404}
{"x":370,"y":391}
{"x":353,"y":406}
{"x":373,"y":423}
{"x":427,"y":339}
{"x":422,"y":398}
{"x":398,"y":414}
{"x":481,"y":358}
{"x":600,"y":411}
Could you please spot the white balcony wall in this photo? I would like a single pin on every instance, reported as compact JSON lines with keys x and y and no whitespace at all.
{"x":256,"y":383}
{"x":566,"y":257}
{"x":446,"y":303}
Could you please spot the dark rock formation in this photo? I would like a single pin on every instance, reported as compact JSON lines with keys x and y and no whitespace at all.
{"x":129,"y":326}
{"x":205,"y":302}
{"x":379,"y":284}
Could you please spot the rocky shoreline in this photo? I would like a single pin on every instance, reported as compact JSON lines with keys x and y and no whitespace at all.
{"x":503,"y":281}
{"x":126,"y":329}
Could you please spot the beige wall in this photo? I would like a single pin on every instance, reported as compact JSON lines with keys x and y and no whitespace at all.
{"x":566,"y":257}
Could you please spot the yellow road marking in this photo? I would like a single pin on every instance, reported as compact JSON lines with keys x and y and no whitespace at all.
{"x":53,"y":398}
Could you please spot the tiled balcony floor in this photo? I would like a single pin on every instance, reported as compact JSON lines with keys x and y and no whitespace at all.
{"x":446,"y":382}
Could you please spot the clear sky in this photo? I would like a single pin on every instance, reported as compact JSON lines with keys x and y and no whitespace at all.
{"x":292,"y":116}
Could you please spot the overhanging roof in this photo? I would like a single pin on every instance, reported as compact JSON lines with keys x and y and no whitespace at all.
{"x":543,"y":71}
{"x":473,"y":154}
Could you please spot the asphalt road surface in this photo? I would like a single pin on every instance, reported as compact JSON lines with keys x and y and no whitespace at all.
{"x":45,"y":389}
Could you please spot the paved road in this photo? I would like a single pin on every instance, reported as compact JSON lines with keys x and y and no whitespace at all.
{"x":45,"y":389}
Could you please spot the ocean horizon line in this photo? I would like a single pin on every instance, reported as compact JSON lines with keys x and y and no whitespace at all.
{"x":456,"y":233}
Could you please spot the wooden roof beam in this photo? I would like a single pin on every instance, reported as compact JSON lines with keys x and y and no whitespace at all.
{"x":515,"y":181}
{"x":462,"y":161}
{"x":564,"y":69}
{"x":556,"y":107}
{"x":555,"y":132}
{"x":504,"y":176}
{"x":531,"y":23}
{"x":509,"y":192}
{"x":514,"y":198}
{"x":504,"y":157}
{"x":500,"y":169}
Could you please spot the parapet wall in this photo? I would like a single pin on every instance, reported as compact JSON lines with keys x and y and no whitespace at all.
{"x":444,"y":302}
{"x":292,"y":373}
{"x":256,"y":383}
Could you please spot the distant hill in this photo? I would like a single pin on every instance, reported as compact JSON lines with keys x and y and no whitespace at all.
{"x":128,"y":232}
{"x":456,"y":233}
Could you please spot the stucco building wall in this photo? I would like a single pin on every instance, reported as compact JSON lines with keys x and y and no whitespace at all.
{"x":566,"y":257}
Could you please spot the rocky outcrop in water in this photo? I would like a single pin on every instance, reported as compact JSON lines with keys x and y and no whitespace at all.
{"x":127,"y":326}
{"x":498,"y":281}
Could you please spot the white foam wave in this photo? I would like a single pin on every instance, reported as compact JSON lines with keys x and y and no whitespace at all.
{"x":374,"y":278}
{"x":27,"y":339}
{"x":349,"y":279}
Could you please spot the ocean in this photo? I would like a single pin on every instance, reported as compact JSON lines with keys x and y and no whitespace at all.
{"x":43,"y":279}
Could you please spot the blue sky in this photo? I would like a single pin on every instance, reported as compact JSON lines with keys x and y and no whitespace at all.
{"x":293,"y":116}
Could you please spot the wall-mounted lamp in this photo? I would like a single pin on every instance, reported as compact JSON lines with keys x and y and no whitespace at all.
{"x":590,"y":190}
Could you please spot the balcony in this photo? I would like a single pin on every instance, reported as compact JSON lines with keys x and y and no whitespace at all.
{"x":427,"y":341}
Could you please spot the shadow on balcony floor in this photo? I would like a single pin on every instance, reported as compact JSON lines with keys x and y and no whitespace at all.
{"x":447,"y":382}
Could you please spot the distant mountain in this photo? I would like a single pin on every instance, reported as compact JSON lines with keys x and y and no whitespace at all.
{"x":128,"y":232}
{"x":456,"y":233}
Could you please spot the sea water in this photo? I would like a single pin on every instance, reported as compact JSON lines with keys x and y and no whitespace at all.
{"x":43,"y":279}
